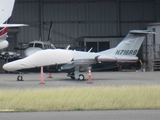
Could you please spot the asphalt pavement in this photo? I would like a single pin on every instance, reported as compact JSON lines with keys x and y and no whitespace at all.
{"x":84,"y":115}
{"x":32,"y":81}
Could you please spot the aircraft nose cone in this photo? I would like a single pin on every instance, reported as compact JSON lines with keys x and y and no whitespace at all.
{"x":4,"y":44}
{"x":7,"y":67}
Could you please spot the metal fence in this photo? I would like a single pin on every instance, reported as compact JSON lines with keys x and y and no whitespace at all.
{"x":151,"y":51}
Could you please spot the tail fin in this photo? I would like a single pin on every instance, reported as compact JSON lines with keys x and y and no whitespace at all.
{"x":12,"y":25}
{"x":130,"y":45}
{"x":6,"y":8}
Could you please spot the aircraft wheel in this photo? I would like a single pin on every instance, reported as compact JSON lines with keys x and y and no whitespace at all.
{"x":81,"y":77}
{"x":19,"y":78}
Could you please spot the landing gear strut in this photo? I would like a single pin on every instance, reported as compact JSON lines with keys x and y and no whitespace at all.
{"x":80,"y":77}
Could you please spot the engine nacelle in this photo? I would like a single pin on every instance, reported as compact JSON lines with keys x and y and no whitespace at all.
{"x":104,"y":58}
{"x":3,"y":44}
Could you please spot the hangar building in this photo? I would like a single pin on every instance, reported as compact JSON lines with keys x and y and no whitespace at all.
{"x":80,"y":23}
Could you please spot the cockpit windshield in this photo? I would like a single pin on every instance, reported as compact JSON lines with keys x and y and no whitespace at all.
{"x":35,"y":45}
{"x":30,"y":45}
{"x":42,"y":45}
{"x":38,"y":45}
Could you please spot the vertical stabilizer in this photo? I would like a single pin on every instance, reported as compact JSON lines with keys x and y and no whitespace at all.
{"x":130,"y":45}
{"x":6,"y":8}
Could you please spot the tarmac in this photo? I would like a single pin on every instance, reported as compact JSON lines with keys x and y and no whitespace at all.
{"x":84,"y":115}
{"x":32,"y":80}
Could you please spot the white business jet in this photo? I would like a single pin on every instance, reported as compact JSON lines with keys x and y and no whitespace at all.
{"x":71,"y":61}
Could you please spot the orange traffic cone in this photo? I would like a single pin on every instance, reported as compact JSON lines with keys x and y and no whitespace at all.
{"x":89,"y":76}
{"x":50,"y":75}
{"x":42,"y":76}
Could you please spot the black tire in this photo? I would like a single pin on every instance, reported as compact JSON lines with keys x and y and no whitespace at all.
{"x":19,"y":78}
{"x":81,"y":77}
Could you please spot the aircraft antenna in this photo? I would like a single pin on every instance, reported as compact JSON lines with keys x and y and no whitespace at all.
{"x":50,"y":30}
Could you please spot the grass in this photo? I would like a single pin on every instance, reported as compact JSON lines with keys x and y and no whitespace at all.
{"x":81,"y":98}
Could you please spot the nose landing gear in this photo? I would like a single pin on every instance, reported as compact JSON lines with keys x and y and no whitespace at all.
{"x":20,"y":77}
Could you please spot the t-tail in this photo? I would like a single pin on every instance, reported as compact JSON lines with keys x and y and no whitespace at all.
{"x":131,"y":44}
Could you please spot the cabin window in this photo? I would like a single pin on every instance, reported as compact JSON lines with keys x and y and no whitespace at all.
{"x":46,"y":46}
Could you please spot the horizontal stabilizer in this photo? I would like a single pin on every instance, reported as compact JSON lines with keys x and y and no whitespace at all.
{"x":141,"y":32}
{"x":12,"y":25}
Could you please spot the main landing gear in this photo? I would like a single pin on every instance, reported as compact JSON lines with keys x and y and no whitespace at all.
{"x":74,"y":77}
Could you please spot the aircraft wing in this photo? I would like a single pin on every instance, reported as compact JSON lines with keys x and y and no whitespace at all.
{"x":118,"y":59}
{"x":127,"y":59}
{"x":85,"y":59}
{"x":81,"y":58}
{"x":41,"y":58}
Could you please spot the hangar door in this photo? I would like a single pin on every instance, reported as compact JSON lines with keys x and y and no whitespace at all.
{"x":98,"y":46}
